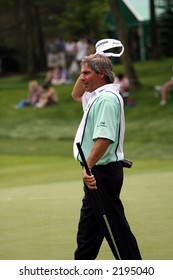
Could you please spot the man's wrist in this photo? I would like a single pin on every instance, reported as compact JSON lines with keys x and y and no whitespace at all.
{"x":90,"y":166}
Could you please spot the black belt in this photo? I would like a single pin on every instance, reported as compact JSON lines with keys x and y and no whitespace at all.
{"x":125,"y":162}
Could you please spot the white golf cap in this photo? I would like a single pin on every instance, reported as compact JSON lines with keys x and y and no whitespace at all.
{"x":106,"y":44}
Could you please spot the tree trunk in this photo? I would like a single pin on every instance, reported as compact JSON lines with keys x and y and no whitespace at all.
{"x":122,"y":36}
{"x":30,"y":45}
{"x":40,"y":53}
{"x":34,"y":44}
{"x":19,"y":36}
{"x":155,"y":50}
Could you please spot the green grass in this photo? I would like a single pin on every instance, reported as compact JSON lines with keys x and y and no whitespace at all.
{"x":148,"y":126}
{"x":40,"y":198}
{"x":40,"y":183}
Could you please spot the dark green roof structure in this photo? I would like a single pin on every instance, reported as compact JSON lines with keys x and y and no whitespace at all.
{"x":136,"y":16}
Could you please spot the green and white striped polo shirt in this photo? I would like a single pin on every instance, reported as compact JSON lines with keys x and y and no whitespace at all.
{"x":105,"y":119}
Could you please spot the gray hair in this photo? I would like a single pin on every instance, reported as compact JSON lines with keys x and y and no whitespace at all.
{"x":100,"y":63}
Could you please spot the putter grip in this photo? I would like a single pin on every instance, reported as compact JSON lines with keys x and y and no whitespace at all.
{"x":83,"y":159}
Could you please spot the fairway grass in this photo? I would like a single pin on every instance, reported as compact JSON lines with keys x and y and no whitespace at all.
{"x":40,"y":199}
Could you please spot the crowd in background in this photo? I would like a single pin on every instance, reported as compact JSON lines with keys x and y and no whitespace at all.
{"x":39,"y":96}
{"x":63,"y":57}
{"x":63,"y":62}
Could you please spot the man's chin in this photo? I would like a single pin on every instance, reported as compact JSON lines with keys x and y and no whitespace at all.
{"x":87,"y":88}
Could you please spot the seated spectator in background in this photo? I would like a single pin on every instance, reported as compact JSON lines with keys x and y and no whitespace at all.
{"x":123,"y":81}
{"x":60,"y":76}
{"x":57,"y":76}
{"x":34,"y":93}
{"x":164,"y":90}
{"x":49,"y":74}
{"x":48,"y":97}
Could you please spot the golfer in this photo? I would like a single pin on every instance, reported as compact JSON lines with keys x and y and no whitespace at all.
{"x":101,"y":135}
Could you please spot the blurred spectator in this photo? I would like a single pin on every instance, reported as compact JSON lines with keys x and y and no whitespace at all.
{"x":34,"y":93}
{"x":60,"y":76}
{"x":74,"y":68}
{"x":81,"y":49}
{"x":91,"y":47}
{"x":49,"y":74}
{"x":48,"y":97}
{"x":51,"y":50}
{"x":163,"y":90}
{"x":61,"y":52}
{"x":70,"y":51}
{"x":91,"y":43}
{"x":57,"y":76}
{"x":123,"y":81}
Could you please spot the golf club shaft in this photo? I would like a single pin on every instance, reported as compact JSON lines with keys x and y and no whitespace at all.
{"x":101,"y":208}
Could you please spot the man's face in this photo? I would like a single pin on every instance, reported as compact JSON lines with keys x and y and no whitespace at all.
{"x":91,"y":79}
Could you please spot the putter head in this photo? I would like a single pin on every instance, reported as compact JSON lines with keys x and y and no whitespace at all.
{"x":106,"y":44}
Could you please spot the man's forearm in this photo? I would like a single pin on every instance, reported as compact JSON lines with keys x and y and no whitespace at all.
{"x":78,"y":90}
{"x":98,"y":151}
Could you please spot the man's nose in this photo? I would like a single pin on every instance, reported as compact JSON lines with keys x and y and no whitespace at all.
{"x":82,"y":77}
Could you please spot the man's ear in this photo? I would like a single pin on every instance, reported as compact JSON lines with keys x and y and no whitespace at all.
{"x":102,"y":75}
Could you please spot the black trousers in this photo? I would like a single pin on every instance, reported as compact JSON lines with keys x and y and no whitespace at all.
{"x":92,"y":228}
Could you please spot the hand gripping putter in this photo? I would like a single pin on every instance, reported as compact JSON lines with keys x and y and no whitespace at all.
{"x":98,"y":200}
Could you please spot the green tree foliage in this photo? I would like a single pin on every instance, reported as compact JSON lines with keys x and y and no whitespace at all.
{"x":87,"y":17}
{"x":21,"y":30}
{"x":26,"y":25}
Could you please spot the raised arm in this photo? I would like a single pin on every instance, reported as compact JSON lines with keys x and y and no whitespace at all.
{"x":78,"y":90}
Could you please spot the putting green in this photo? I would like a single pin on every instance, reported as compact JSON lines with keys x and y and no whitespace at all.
{"x":40,"y":221}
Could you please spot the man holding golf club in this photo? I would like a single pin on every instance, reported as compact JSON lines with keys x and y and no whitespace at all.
{"x":100,"y":138}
